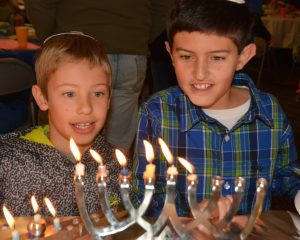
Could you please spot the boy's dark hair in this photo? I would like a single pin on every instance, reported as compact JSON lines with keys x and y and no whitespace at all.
{"x":222,"y":17}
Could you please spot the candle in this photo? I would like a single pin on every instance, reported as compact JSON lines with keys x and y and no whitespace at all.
{"x":11,"y":223}
{"x":37,"y":217}
{"x":79,"y":168}
{"x":150,"y":167}
{"x":56,"y":222}
{"x":149,"y":172}
{"x":191,"y":178}
{"x":122,"y":161}
{"x":102,"y":171}
{"x":15,"y":235}
{"x":172,"y":170}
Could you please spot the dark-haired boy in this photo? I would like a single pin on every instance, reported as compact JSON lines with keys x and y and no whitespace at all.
{"x":215,"y":118}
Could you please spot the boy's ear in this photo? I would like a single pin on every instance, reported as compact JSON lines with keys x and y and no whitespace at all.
{"x":39,"y":97}
{"x":248,"y":52}
{"x":168,"y":48}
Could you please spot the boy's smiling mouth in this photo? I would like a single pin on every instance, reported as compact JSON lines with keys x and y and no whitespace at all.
{"x":202,"y":86}
{"x":83,"y":126}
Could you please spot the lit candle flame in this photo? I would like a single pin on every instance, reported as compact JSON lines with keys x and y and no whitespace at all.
{"x":9,"y":218}
{"x":34,"y":204}
{"x":96,"y":156}
{"x":149,"y":151}
{"x":166,"y":151}
{"x":121,"y":158}
{"x":74,"y":149}
{"x":187,"y":165}
{"x":50,"y":206}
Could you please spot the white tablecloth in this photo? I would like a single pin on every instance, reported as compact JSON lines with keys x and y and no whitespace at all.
{"x":284,"y":31}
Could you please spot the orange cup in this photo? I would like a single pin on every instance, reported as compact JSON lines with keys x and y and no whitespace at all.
{"x":22,"y":36}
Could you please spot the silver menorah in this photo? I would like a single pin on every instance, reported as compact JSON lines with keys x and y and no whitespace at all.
{"x":168,"y":225}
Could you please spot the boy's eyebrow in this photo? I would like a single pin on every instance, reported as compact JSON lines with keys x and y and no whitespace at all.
{"x":214,"y":51}
{"x":75,"y":85}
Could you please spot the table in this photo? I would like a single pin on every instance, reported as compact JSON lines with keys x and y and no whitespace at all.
{"x":284,"y":30}
{"x":279,"y":226}
{"x":9,"y":49}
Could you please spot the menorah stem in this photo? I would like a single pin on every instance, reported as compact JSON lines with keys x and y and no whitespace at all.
{"x":104,"y":202}
{"x":168,"y":212}
{"x":217,"y":183}
{"x":199,"y":217}
{"x":256,"y":211}
{"x":96,"y":232}
{"x":137,"y":214}
{"x":237,"y":198}
{"x":79,"y":192}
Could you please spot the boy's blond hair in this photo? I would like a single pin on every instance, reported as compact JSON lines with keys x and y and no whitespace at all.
{"x":68,"y":47}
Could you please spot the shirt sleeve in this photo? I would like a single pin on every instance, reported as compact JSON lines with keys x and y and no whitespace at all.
{"x":42,"y":15}
{"x":286,"y":181}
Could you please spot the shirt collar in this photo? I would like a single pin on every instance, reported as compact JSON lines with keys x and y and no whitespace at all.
{"x":190,"y":114}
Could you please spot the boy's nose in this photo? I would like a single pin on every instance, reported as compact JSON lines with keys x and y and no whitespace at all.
{"x":201,"y":70}
{"x":85,"y":106}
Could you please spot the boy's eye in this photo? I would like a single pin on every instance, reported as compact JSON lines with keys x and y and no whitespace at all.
{"x":217,"y":58}
{"x":185,"y":57}
{"x":69,"y":94}
{"x":98,"y":94}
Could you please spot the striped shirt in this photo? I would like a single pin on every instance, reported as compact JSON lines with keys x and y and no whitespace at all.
{"x":260,"y":144}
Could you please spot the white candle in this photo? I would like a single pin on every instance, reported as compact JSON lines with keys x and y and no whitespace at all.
{"x":172,"y":171}
{"x":11,"y":222}
{"x":15,"y":235}
{"x":191,"y":178}
{"x":149,"y":172}
{"x":37,"y":217}
{"x":102,"y":171}
{"x":56,"y":222}
{"x":79,"y":169}
{"x":122,"y":161}
{"x":150,"y":167}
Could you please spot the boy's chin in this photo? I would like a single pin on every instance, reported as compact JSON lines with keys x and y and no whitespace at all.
{"x":201,"y":104}
{"x":84,"y":140}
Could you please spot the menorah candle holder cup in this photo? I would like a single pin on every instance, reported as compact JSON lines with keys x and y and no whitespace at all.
{"x":37,"y":229}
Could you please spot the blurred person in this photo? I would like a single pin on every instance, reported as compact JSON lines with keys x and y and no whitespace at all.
{"x":6,"y":8}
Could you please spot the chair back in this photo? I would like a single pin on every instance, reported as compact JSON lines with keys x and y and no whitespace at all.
{"x":17,"y":76}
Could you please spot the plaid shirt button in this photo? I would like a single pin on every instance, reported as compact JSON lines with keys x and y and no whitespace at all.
{"x":226,"y":138}
{"x":227,"y":186}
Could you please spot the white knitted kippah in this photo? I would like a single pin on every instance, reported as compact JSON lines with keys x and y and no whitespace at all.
{"x":68,"y":33}
{"x":237,"y":1}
